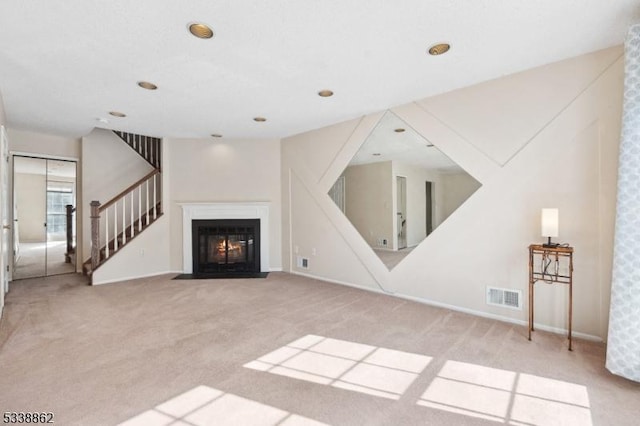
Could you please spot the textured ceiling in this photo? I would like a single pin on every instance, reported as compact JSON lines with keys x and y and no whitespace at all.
{"x":408,"y":147}
{"x":65,"y":63}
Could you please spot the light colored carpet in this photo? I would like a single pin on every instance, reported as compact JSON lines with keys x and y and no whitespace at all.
{"x":391,"y":258}
{"x":286,"y":350}
{"x":35,"y":257}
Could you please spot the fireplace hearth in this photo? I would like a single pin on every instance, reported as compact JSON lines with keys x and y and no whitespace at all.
{"x":226,"y":248}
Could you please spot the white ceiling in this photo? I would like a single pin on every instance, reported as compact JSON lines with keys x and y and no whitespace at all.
{"x":65,"y":63}
{"x":408,"y":147}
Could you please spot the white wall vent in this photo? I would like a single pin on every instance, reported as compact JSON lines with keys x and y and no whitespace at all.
{"x":504,"y":297}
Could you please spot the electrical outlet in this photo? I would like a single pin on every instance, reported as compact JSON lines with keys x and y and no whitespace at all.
{"x":313,"y":251}
{"x":302,"y":262}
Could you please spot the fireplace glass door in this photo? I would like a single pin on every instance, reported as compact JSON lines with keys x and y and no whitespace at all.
{"x":226,"y":246}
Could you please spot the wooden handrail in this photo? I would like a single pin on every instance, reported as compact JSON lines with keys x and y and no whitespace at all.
{"x":129,"y":189}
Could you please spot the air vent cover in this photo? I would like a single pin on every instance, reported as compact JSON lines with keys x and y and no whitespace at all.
{"x":504,"y":297}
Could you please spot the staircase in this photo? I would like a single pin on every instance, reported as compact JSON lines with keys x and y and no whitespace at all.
{"x":118,"y":221}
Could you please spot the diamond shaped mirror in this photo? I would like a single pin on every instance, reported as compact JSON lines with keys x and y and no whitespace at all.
{"x":398,"y":188}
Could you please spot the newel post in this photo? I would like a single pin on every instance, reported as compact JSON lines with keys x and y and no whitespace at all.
{"x":69,"y":225}
{"x":95,"y":234}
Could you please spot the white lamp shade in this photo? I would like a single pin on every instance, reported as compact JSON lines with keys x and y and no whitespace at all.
{"x":549,"y":222}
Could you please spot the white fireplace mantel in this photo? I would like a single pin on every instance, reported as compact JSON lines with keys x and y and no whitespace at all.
{"x":232,"y":210}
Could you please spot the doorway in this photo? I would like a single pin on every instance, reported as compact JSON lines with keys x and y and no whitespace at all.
{"x":4,"y":216}
{"x":44,"y":231}
{"x":401,"y":202}
{"x":429,"y":207}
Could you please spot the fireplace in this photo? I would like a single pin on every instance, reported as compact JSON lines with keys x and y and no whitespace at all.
{"x":211,"y":212}
{"x":226,"y":247}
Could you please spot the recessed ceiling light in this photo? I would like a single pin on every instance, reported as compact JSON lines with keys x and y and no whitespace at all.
{"x":399,"y":130}
{"x":216,"y":135}
{"x":200,"y":30}
{"x":147,"y":85}
{"x":439,"y":49}
{"x":260,"y":119}
{"x":117,"y":114}
{"x":325,"y":93}
{"x":376,"y":154}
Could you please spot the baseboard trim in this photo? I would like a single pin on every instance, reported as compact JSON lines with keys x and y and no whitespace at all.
{"x":542,"y":327}
{"x":121,"y":279}
{"x":344,"y":283}
{"x":488,"y":315}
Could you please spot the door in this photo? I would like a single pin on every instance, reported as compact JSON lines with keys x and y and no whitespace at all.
{"x":42,"y":189}
{"x":429,"y":206}
{"x":4,"y":215}
{"x":401,"y":203}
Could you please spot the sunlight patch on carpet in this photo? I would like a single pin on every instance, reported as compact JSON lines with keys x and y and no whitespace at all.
{"x":343,"y":364}
{"x":203,"y":405}
{"x":506,"y":396}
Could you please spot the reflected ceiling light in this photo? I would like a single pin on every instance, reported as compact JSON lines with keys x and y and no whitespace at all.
{"x":260,"y":119}
{"x":102,"y":120}
{"x":200,"y":30}
{"x":216,"y":135}
{"x":399,"y":130}
{"x":439,"y":49}
{"x":325,"y":93}
{"x":117,"y":114}
{"x":147,"y":85}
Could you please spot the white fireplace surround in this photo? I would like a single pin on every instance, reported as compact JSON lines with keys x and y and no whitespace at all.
{"x":211,"y":211}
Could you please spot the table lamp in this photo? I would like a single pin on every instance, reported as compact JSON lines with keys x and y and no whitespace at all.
{"x":549,"y":226}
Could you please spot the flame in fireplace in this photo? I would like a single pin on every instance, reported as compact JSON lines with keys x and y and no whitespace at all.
{"x":224,"y":245}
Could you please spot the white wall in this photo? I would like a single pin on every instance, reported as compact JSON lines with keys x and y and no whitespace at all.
{"x":3,"y":121}
{"x":417,"y":200}
{"x":369,"y":201}
{"x":456,"y":188}
{"x":43,"y":144}
{"x":546,"y":137}
{"x":31,"y":197}
{"x":109,"y":166}
{"x":206,"y":170}
{"x":3,"y":116}
{"x":148,"y":253}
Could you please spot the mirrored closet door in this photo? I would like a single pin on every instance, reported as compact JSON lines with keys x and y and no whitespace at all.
{"x":44,"y":200}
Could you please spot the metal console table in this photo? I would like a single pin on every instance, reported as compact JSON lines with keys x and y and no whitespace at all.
{"x":549,"y":259}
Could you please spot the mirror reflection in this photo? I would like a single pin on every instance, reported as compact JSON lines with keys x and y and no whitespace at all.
{"x":398,"y":188}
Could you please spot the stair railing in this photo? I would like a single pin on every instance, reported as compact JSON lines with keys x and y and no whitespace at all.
{"x":147,"y":147}
{"x":125,"y":216}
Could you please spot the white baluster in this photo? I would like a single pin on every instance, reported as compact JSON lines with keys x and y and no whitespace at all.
{"x":148,"y":214}
{"x":106,"y":232}
{"x":124,"y":220}
{"x":155,"y":210}
{"x":115,"y":227}
{"x":140,"y":208}
{"x":133,"y":228}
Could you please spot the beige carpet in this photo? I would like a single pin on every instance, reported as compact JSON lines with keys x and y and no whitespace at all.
{"x":391,"y":258}
{"x":286,"y":350}
{"x":40,"y":259}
